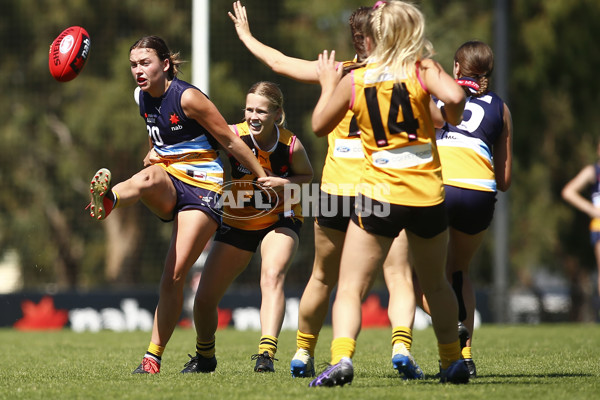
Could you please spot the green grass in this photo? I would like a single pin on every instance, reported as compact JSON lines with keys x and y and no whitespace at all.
{"x":514,"y":362}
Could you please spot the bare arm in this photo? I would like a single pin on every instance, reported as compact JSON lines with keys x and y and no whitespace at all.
{"x":443,"y":86}
{"x":197,"y":106}
{"x":503,"y":154}
{"x":295,"y":68}
{"x":436,"y":115}
{"x":572,"y":191}
{"x":335,"y":95}
{"x":151,"y":155}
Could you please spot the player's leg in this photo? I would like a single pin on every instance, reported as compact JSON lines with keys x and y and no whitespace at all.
{"x":223,"y":264}
{"x":277,"y":251}
{"x":461,"y":249}
{"x":329,"y":231}
{"x":314,"y":303}
{"x":470,"y":213}
{"x":152,"y":186}
{"x":362,"y":255}
{"x":429,"y":260}
{"x":397,"y":273}
{"x":191,"y":231}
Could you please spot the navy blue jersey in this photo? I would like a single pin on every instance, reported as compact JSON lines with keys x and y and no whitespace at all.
{"x":187,"y":150}
{"x":172,"y":133}
{"x":483,"y":119}
{"x":466,"y":150}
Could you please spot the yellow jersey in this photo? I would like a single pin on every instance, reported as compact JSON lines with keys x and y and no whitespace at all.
{"x":258,"y":209}
{"x":402,"y":165}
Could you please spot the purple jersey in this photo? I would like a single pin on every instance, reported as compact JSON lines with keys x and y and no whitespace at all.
{"x":169,"y":129}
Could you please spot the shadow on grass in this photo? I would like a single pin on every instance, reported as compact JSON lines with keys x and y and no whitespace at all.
{"x":490,"y":378}
{"x":553,"y":375}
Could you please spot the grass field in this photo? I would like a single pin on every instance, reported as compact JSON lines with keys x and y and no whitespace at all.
{"x":542,"y":362}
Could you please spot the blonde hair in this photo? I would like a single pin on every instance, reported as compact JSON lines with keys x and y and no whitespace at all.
{"x":397,"y":31}
{"x":271,"y":92}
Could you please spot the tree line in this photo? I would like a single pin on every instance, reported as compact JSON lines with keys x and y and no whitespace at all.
{"x":56,"y":135}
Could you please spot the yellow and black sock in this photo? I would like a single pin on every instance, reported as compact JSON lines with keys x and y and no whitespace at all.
{"x":269,"y":344}
{"x":402,"y":334}
{"x":205,"y":349}
{"x":307,"y":341}
{"x":466,"y":353}
{"x":115,"y":199}
{"x":342,"y":347}
{"x":449,"y":353}
{"x":155,"y":351}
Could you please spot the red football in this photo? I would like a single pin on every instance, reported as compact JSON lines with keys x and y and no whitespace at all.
{"x":68,"y":53}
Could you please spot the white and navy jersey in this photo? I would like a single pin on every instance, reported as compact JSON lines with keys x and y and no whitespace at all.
{"x":466,"y":150}
{"x":187,"y":149}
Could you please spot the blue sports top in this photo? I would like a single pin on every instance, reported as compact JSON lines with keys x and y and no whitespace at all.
{"x":187,"y":149}
{"x":466,"y":150}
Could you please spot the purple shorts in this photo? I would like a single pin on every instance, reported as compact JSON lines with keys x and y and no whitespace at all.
{"x":194,"y":198}
{"x":469,"y":211}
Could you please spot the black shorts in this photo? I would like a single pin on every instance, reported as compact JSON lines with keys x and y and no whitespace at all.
{"x":469,"y":211}
{"x":388,"y":220}
{"x":194,"y":198}
{"x":249,"y":240}
{"x":334,"y":211}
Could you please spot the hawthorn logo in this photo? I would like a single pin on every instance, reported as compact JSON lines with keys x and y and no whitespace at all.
{"x":255,"y":200}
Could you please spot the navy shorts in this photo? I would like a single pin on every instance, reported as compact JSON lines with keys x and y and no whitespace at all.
{"x":334,"y":211}
{"x":194,"y":198}
{"x":388,"y":220}
{"x":249,"y":240}
{"x":469,"y":211}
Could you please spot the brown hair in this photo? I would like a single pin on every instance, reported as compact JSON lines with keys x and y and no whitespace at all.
{"x":357,"y":21}
{"x":271,"y":92}
{"x":476,"y":61}
{"x":162,"y":51}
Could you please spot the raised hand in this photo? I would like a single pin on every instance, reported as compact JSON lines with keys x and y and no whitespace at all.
{"x":328,"y":70}
{"x":240,"y":19}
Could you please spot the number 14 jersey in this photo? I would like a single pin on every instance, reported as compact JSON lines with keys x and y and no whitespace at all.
{"x":402,"y":163}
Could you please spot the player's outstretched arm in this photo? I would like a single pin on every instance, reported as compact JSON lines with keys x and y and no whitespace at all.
{"x":335,"y":95}
{"x":295,"y":68}
{"x":571,"y":193}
